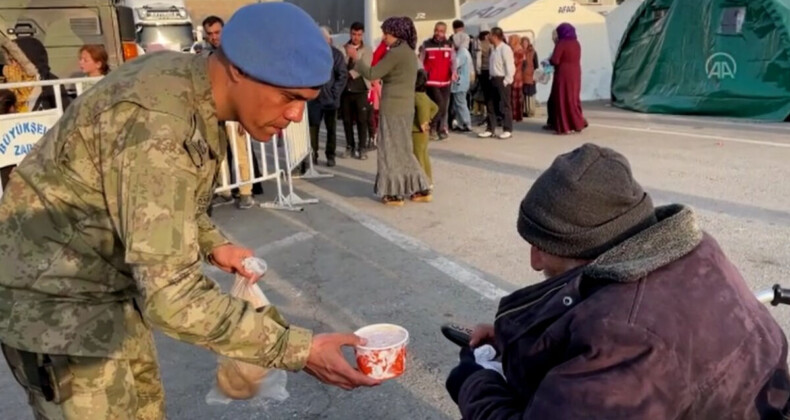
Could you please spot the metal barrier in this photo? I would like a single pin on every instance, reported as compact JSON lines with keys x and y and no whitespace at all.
{"x":296,"y":144}
{"x":20,"y":131}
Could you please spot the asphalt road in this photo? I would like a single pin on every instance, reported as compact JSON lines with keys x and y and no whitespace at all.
{"x":349,"y":261}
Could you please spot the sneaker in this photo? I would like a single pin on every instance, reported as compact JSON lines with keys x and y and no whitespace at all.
{"x":363,"y":156}
{"x":220,"y":199}
{"x":245,"y":202}
{"x":330,"y":162}
{"x":443,"y":135}
{"x":506,"y":135}
{"x":485,"y":134}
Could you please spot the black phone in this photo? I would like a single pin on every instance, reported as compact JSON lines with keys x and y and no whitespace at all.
{"x":457,"y":334}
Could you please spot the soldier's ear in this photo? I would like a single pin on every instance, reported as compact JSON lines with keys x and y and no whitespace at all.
{"x":235,"y":74}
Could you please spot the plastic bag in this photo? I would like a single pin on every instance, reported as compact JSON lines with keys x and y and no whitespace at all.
{"x":485,"y":356}
{"x":243,"y":381}
{"x":542,"y":77}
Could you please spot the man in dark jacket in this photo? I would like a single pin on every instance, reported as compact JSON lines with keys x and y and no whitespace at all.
{"x":355,"y":105}
{"x":642,"y":315}
{"x":326,"y":105}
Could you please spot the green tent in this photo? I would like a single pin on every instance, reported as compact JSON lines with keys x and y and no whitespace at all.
{"x":707,"y":57}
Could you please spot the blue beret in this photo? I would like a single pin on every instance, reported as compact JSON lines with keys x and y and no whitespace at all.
{"x":279,"y":44}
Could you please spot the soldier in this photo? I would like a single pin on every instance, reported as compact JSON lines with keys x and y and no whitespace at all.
{"x":103,"y":226}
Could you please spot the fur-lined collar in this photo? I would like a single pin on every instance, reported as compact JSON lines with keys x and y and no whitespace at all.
{"x":675,"y":235}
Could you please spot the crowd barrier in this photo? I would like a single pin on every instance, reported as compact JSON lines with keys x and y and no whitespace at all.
{"x":20,"y":131}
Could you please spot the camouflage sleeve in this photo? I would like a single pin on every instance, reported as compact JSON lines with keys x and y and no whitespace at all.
{"x":209,"y":237}
{"x":150,"y":188}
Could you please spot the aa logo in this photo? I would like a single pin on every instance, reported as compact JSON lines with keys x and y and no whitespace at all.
{"x":721,"y":66}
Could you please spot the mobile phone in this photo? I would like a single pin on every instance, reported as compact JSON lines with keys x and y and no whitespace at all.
{"x":457,"y":334}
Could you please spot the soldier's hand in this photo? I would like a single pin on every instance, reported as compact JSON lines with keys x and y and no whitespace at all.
{"x":327,"y":363}
{"x":229,"y":258}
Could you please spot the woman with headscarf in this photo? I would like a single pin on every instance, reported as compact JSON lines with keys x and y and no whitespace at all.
{"x":565,"y":107}
{"x":516,"y":93}
{"x":528,"y":77}
{"x":399,"y":173}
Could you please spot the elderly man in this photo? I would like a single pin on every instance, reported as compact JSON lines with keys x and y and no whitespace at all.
{"x":103,"y":226}
{"x":642,"y":316}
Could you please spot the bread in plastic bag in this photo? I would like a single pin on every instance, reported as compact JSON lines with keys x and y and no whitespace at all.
{"x":244,"y":381}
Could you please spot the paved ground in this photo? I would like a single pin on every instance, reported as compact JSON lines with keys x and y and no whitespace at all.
{"x":349,"y":261}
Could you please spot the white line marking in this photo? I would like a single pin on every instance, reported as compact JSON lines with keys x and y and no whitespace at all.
{"x":407,"y":243}
{"x":699,"y":136}
{"x":284,"y":243}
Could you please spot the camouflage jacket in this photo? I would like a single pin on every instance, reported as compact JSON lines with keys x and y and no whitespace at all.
{"x":108,"y":214}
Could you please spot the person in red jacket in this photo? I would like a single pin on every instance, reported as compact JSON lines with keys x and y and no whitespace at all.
{"x":438,"y":59}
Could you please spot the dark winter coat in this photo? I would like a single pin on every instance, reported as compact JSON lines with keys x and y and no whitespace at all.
{"x":663,"y":326}
{"x":329,"y":98}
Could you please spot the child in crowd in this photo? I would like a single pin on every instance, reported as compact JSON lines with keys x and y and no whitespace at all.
{"x":424,"y":112}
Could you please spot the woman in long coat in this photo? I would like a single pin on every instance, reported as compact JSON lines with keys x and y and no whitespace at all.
{"x":399,"y":173}
{"x":531,"y":63}
{"x":565,"y":107}
{"x":516,"y":91}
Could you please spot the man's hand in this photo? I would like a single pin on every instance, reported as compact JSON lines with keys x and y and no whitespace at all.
{"x":327,"y":363}
{"x":229,"y":258}
{"x":482,"y":334}
{"x":351,"y":52}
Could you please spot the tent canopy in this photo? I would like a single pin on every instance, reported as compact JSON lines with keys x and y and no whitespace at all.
{"x":537,"y":19}
{"x":617,"y":22}
{"x":707,"y":57}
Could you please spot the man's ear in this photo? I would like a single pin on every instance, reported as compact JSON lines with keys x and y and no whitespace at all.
{"x":235,"y":74}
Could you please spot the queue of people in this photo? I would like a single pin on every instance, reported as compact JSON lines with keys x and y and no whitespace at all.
{"x":502,"y":81}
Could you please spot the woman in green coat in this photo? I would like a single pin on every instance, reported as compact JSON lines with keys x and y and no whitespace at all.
{"x":399,"y":173}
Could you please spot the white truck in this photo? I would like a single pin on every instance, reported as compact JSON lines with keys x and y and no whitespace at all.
{"x":162,"y":24}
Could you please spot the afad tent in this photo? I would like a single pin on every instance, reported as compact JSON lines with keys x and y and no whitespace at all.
{"x":708,"y":57}
{"x":617,"y":22}
{"x":537,"y":19}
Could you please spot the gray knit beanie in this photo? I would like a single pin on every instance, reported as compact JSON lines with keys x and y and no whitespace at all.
{"x":584,"y":204}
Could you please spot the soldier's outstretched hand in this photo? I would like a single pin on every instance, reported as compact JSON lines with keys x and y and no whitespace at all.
{"x":229,"y":258}
{"x":327,"y":363}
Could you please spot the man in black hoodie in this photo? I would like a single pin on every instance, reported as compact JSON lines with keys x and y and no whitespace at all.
{"x":37,"y":54}
{"x":326,"y":105}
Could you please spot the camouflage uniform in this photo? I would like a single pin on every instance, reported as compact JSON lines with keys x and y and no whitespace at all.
{"x":103,"y":228}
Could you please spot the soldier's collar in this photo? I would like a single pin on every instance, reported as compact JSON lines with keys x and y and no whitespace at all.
{"x":207,"y":109}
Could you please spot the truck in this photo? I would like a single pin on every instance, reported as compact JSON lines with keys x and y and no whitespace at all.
{"x":64,"y":26}
{"x":162,"y":23}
